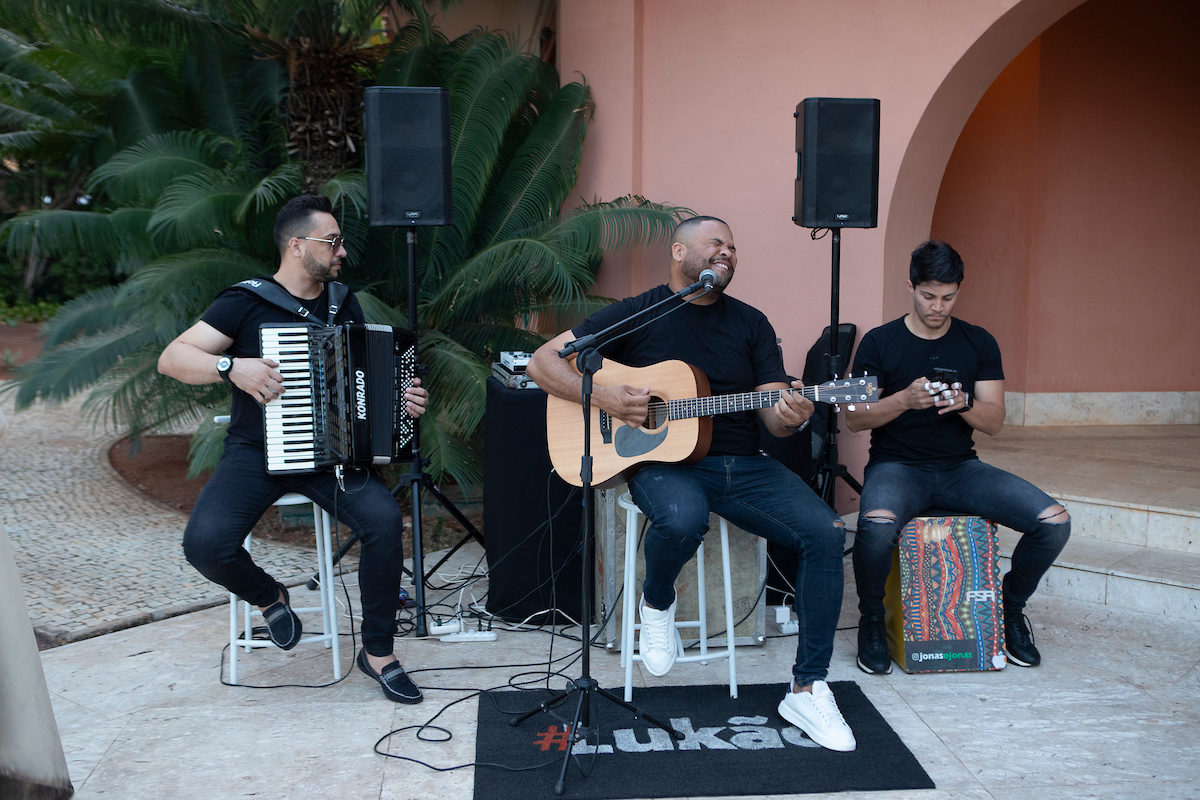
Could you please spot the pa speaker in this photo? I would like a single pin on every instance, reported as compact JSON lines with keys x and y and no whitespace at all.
{"x":408,"y":155}
{"x":531,"y":517}
{"x":837,"y":163}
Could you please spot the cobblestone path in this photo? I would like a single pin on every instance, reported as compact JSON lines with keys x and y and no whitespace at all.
{"x":94,"y":554}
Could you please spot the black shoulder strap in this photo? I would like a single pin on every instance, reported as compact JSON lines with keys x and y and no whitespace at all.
{"x":337,"y":294}
{"x":276,"y":295}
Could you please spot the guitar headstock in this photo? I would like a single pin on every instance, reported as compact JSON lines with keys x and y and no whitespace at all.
{"x":848,"y":391}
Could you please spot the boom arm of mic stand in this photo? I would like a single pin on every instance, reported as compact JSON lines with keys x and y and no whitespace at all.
{"x":600,"y":337}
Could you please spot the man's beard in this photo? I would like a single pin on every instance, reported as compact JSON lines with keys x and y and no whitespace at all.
{"x":316,"y":270}
{"x":693,"y":265}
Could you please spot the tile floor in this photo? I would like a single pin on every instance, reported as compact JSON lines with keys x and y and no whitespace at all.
{"x":1113,"y":712}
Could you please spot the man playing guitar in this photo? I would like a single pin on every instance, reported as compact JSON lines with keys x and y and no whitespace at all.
{"x":734,"y":345}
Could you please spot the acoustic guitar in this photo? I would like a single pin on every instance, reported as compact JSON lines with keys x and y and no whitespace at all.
{"x":678,"y":425}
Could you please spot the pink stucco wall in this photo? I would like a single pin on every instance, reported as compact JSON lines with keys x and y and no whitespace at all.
{"x":1071,"y":195}
{"x":694,"y":106}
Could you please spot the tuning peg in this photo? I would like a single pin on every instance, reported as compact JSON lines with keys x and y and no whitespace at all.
{"x":868,"y":406}
{"x":850,"y":407}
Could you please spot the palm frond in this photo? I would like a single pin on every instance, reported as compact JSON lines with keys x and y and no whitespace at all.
{"x":492,"y":337}
{"x":144,"y":104}
{"x":413,"y":57}
{"x":58,"y":374}
{"x":196,"y":210}
{"x":146,"y":22}
{"x":347,"y":191}
{"x":61,"y":232}
{"x":618,"y":224}
{"x":208,"y":442}
{"x":456,"y":380}
{"x":488,"y":84}
{"x":379,"y":312}
{"x":135,"y":398}
{"x":146,"y":169}
{"x":448,"y":453}
{"x":85,"y":315}
{"x":272,"y":190}
{"x":542,"y":171}
{"x":176,"y":289}
{"x":494,"y":281}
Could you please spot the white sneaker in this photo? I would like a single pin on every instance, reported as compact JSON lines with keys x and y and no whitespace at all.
{"x":657,"y":642}
{"x":816,"y":713}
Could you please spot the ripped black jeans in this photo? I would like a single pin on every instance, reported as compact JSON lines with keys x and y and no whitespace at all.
{"x":970,"y":487}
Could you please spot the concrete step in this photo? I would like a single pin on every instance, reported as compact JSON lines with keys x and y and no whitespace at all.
{"x":1170,"y":523}
{"x":1127,"y":576}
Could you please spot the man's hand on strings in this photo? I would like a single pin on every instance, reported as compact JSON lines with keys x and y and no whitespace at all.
{"x":626,"y":403}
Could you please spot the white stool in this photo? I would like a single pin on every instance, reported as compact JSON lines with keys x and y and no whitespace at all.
{"x":628,"y":626}
{"x":328,"y":608}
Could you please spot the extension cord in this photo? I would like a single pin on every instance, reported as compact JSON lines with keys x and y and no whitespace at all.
{"x":791,"y":626}
{"x":471,"y":636}
{"x":454,"y":626}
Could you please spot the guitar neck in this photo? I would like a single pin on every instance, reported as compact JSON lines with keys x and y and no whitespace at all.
{"x":689,"y":407}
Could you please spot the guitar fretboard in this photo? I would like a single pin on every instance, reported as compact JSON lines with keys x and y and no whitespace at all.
{"x":729,"y":403}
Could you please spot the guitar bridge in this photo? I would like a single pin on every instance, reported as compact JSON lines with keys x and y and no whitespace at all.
{"x":606,"y":427}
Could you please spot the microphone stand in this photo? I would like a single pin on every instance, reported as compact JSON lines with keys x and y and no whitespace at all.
{"x":589,"y":362}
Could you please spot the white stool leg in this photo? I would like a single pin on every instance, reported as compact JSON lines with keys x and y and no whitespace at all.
{"x":247,"y":630}
{"x":632,"y":517}
{"x":322,"y":546}
{"x":328,"y":592}
{"x":703,"y":600}
{"x":233,"y":637}
{"x":725,"y":574}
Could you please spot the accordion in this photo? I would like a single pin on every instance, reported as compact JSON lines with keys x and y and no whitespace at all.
{"x":343,"y":402}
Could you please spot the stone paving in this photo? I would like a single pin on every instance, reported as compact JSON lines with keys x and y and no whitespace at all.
{"x":95,"y":555}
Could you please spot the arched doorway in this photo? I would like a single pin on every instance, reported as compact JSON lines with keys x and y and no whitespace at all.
{"x":1071,"y":194}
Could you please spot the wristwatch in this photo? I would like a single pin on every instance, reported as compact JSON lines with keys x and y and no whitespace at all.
{"x":224,"y":367}
{"x":968,"y":403}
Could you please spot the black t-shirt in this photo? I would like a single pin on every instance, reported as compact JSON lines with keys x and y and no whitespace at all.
{"x":897,"y":357}
{"x":731,"y":342}
{"x":238,"y":313}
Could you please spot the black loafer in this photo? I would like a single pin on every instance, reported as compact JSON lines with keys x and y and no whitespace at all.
{"x":283,"y":625}
{"x":397,"y":686}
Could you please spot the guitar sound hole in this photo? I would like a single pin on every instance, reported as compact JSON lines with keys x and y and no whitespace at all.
{"x":656,"y":414}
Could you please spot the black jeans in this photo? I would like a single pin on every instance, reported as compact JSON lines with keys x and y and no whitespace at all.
{"x":971,"y":487}
{"x":239,"y":493}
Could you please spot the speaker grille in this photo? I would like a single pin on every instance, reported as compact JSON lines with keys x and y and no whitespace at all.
{"x":837,"y":168}
{"x":408,"y":155}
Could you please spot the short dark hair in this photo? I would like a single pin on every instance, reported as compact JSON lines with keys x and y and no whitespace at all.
{"x":935,"y":262}
{"x":692,"y":222}
{"x":295,"y":218}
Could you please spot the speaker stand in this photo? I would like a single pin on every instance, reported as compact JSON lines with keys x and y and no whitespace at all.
{"x":830,"y":469}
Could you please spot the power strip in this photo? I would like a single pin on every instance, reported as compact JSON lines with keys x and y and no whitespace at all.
{"x":470,"y":636}
{"x":791,"y":626}
{"x":454,"y":626}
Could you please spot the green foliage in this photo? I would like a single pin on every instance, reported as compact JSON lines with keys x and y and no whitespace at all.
{"x":183,"y":207}
{"x":19,"y":312}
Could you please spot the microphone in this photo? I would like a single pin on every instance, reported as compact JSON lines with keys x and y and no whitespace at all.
{"x":707,"y":278}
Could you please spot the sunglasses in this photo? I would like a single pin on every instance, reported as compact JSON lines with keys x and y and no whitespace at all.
{"x":335,"y":242}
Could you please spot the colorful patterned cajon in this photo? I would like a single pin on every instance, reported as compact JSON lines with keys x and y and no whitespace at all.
{"x":943,"y":604}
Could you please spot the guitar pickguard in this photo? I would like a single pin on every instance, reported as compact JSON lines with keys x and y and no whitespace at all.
{"x":632,"y":442}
